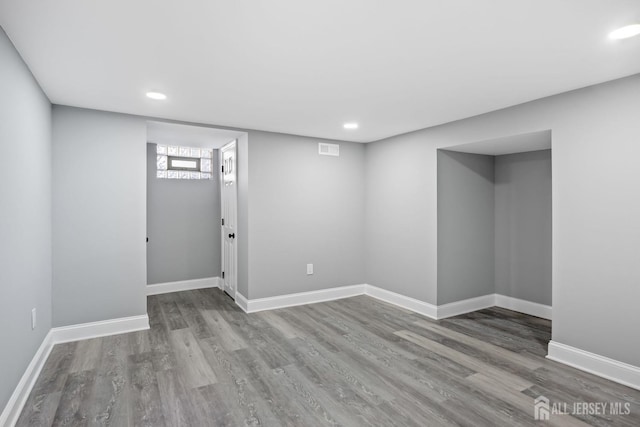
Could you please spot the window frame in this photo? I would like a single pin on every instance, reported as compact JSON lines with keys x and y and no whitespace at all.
{"x":170,"y":159}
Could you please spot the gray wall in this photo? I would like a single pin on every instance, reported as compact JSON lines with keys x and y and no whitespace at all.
{"x":25,"y":216}
{"x":99,"y":216}
{"x":400,"y":219}
{"x":523,"y":226}
{"x":242,"y":232}
{"x":596,"y":262}
{"x":183,"y":226}
{"x":494,"y":226}
{"x":304,"y":208}
{"x":465,"y":226}
{"x":595,"y":259}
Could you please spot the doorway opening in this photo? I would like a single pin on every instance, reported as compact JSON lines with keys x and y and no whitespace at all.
{"x":185,"y":194}
{"x":229,"y":220}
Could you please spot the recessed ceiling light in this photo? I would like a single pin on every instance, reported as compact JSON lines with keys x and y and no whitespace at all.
{"x":350,"y":126}
{"x":156,"y":95}
{"x":625,"y":32}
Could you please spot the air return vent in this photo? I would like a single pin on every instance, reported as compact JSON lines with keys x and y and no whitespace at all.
{"x":328,"y":149}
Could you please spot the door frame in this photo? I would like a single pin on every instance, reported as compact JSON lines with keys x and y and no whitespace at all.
{"x":231,"y":145}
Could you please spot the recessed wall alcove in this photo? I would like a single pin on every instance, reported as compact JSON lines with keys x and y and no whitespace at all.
{"x":494,"y":220}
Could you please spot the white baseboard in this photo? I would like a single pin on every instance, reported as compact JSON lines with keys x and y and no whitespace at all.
{"x":302,"y":298}
{"x":184,"y":285}
{"x":473,"y":304}
{"x":409,"y":303}
{"x":523,"y":306}
{"x":601,"y":366}
{"x":242,"y":302}
{"x":323,"y":295}
{"x":102,"y":328}
{"x":465,"y":306}
{"x":16,"y":402}
{"x":415,"y":305}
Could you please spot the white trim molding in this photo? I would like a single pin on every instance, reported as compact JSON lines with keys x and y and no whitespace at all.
{"x":601,"y":366}
{"x":301,"y":298}
{"x":424,"y":308}
{"x":465,"y":306}
{"x":421,"y":307}
{"x":323,"y":295}
{"x":242,"y":302}
{"x":524,"y":306}
{"x":184,"y":285}
{"x":409,"y":303}
{"x":102,"y":328}
{"x":486,"y":301}
{"x":16,"y":402}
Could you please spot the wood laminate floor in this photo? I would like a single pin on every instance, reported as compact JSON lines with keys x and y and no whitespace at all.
{"x":351,"y":362}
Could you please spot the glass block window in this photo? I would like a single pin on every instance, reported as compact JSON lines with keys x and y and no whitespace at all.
{"x":175,"y":162}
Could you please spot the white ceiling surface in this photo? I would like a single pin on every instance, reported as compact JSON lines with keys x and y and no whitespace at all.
{"x":305,"y":67}
{"x":533,"y":141}
{"x":189,"y":136}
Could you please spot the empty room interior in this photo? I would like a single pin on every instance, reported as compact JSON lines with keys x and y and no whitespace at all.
{"x":320,"y":213}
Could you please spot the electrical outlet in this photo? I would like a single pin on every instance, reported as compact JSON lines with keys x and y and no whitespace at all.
{"x":33,"y":318}
{"x":309,"y":269}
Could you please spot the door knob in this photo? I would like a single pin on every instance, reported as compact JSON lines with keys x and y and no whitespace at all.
{"x":232,"y":235}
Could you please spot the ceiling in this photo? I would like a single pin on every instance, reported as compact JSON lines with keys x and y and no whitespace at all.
{"x":305,"y":67}
{"x":189,"y":136}
{"x":532,"y":141}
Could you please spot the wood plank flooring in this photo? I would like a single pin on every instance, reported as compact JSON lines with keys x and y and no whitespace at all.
{"x":351,"y":362}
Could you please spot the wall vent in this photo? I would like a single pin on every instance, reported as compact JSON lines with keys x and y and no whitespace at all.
{"x":328,"y":149}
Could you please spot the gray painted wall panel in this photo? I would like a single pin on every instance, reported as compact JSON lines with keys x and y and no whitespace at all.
{"x":242,"y":231}
{"x":25,"y":217}
{"x":523,"y":226}
{"x":596,"y":262}
{"x":305,"y":208}
{"x":595,"y":257}
{"x":183,"y":226}
{"x":400,"y":233}
{"x":99,"y":216}
{"x":274,"y":244}
{"x":465,"y":226}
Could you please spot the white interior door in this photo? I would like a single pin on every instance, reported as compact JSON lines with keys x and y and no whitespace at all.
{"x":229,"y":202}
